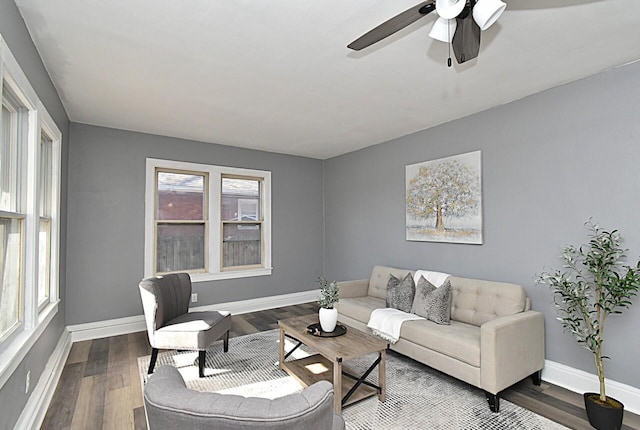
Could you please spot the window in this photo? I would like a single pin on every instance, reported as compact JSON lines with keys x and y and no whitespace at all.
{"x":241,"y":222}
{"x":30,"y":145}
{"x":44,"y":221}
{"x":211,"y":221}
{"x":181,"y":222}
{"x":12,"y":218}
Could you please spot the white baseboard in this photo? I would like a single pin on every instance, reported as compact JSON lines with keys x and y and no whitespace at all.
{"x":580,"y":382}
{"x":108,"y":328}
{"x":35,"y":410}
{"x":119,"y":326}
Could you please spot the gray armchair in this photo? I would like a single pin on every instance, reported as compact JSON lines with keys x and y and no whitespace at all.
{"x":169,"y":404}
{"x":170,"y":325}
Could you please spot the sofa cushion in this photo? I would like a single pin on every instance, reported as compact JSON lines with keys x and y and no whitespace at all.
{"x":476,"y":302}
{"x":439,"y":304}
{"x":359,"y":308}
{"x":420,"y":304}
{"x":457,"y":340}
{"x":193,"y":330}
{"x":431,"y":302}
{"x":379,"y":279}
{"x":400,"y":293}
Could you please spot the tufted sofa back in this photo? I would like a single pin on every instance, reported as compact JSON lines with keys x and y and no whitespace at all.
{"x":476,"y":302}
{"x":380,"y":278}
{"x":169,"y":404}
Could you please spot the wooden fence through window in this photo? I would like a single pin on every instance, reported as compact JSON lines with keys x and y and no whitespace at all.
{"x":177,"y":253}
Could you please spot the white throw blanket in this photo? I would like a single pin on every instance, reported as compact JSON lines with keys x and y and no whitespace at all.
{"x":387,"y":322}
{"x":435,"y":278}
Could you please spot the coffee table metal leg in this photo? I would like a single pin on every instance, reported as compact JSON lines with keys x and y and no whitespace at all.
{"x":358,"y":378}
{"x":363,"y":379}
{"x":293,"y":349}
{"x":337,"y":386}
{"x":382,"y":376}
{"x":281,"y":360}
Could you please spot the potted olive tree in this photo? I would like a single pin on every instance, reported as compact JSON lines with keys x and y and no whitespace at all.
{"x":594,"y":284}
{"x":327,"y":314}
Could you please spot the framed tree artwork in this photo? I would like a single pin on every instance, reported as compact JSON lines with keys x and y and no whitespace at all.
{"x":444,"y":199}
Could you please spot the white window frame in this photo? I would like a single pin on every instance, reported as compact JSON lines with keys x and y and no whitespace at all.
{"x":49,"y":128}
{"x":214,"y":233}
{"x":35,"y":319}
{"x":204,"y":221}
{"x":20,"y":107}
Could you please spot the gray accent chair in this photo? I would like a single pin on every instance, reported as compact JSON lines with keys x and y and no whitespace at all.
{"x":170,"y":325}
{"x":169,"y":404}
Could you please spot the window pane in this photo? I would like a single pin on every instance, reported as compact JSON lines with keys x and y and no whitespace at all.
{"x":10,"y":251}
{"x":7,"y":163}
{"x":241,"y":244}
{"x":240,"y":199}
{"x":180,"y":196}
{"x":44,"y":208}
{"x":44,"y":258}
{"x":46,"y":146}
{"x":180,"y":247}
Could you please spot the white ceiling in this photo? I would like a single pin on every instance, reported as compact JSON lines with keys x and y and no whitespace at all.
{"x":277,"y":76}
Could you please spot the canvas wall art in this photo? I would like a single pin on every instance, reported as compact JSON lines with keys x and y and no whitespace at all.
{"x":444,"y":199}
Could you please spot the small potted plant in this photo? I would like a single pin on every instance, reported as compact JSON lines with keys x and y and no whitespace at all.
{"x":594,"y":284}
{"x":327,"y":314}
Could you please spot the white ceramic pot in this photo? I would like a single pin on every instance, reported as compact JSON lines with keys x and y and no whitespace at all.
{"x":328,"y":319}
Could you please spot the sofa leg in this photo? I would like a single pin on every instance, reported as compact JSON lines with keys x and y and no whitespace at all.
{"x":536,"y":378}
{"x":494,"y":401}
{"x":202,"y":355}
{"x":225,"y":341}
{"x":152,"y":362}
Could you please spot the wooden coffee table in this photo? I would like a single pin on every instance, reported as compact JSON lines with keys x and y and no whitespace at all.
{"x":332,"y":352}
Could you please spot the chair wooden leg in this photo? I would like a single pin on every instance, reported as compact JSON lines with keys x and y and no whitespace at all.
{"x":152,"y":362}
{"x":202,"y":355}
{"x":225,"y":341}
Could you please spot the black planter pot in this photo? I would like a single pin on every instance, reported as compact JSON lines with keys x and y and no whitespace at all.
{"x":603,"y":417}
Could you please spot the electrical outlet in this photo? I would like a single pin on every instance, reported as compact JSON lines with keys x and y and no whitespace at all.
{"x":194,"y":297}
{"x":27,"y":383}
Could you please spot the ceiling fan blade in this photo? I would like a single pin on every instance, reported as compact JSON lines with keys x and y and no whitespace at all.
{"x":466,"y":39}
{"x":393,"y":25}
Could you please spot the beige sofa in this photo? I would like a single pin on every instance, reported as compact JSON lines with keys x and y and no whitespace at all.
{"x":493,"y":341}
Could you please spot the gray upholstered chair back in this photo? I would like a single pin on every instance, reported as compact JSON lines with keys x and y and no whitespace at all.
{"x":171,"y":405}
{"x":164,"y":298}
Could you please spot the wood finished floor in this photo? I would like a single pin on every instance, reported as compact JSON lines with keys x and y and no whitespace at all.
{"x":100,"y":387}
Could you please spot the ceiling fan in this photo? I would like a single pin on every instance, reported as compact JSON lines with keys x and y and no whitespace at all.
{"x":460,"y":23}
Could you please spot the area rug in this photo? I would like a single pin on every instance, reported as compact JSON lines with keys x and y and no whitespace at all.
{"x":417,"y":396}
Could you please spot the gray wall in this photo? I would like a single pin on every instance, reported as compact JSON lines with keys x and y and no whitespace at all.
{"x":549,"y":162}
{"x":14,"y":32}
{"x":106,"y":220}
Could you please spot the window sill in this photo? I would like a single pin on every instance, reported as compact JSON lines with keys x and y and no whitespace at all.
{"x":19,"y":347}
{"x":232,"y":274}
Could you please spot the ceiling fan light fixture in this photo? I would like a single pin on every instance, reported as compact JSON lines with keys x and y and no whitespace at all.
{"x":440,"y":32}
{"x":487,"y":12}
{"x":449,"y":9}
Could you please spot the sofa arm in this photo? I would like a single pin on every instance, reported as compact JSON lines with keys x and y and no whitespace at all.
{"x":348,"y":289}
{"x":511,"y":348}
